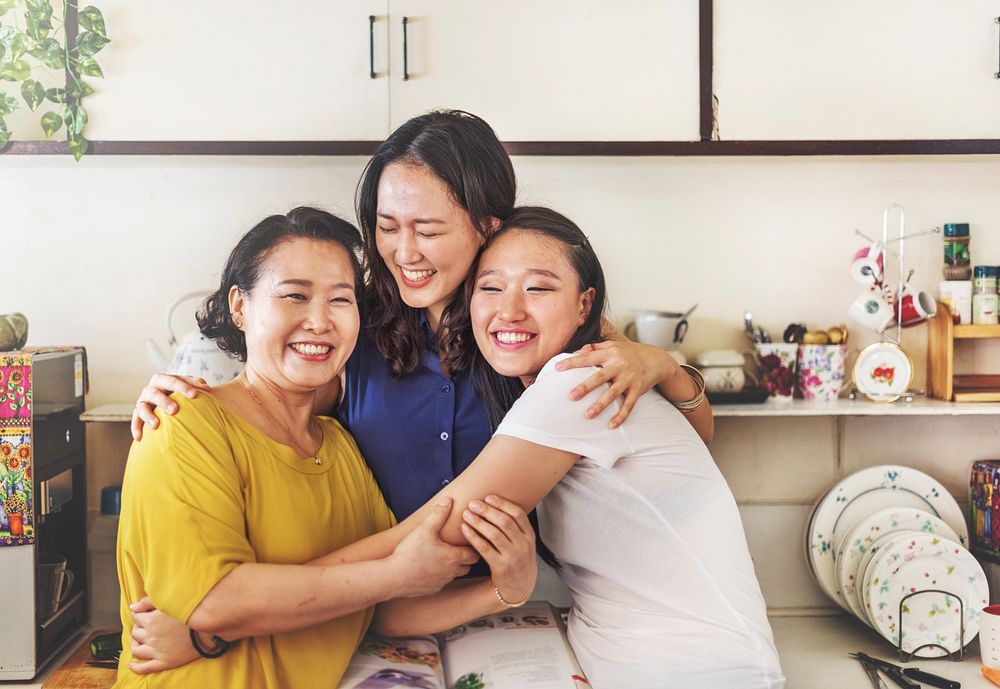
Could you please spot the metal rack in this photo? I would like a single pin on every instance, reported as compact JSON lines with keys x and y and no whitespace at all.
{"x":957,"y":655}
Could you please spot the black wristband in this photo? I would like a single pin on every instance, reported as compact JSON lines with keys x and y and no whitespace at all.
{"x":221,"y":645}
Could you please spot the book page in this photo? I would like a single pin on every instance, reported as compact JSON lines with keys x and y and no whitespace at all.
{"x":385,"y":663}
{"x":522,"y":648}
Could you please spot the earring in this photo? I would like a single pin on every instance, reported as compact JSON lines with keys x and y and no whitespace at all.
{"x":238,"y":322}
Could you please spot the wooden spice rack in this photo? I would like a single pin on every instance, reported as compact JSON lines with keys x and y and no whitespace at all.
{"x":942,"y":334}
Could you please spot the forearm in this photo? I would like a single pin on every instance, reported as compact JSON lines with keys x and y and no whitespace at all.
{"x":259,"y":599}
{"x":459,"y":602}
{"x":678,"y":386}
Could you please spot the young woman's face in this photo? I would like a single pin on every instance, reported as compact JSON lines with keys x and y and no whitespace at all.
{"x":527,"y":304}
{"x":428,"y":241}
{"x":301,"y":318}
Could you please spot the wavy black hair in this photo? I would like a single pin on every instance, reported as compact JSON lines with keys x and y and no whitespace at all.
{"x":245,"y":260}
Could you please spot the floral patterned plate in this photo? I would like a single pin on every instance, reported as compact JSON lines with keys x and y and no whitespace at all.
{"x":863,"y":493}
{"x":863,"y":536}
{"x":865,"y":570}
{"x":922,"y":563}
{"x":882,"y":372}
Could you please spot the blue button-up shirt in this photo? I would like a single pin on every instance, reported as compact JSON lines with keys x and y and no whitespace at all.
{"x":417,"y":432}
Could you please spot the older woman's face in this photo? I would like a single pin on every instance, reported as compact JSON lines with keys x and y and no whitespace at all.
{"x":301,"y":318}
{"x":527,"y":304}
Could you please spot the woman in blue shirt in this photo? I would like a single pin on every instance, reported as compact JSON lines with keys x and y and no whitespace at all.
{"x":427,"y":201}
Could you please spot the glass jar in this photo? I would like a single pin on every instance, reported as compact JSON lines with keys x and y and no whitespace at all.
{"x":956,"y":251}
{"x":984,"y":295}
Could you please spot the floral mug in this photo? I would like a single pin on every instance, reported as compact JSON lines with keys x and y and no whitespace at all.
{"x":776,"y":361}
{"x":821,"y":371}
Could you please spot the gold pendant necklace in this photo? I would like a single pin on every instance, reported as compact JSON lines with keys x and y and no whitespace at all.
{"x":260,"y":403}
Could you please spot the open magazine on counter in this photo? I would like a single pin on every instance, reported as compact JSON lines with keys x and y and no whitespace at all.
{"x":520,"y":648}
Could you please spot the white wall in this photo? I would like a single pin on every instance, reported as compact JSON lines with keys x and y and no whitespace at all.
{"x":95,"y":252}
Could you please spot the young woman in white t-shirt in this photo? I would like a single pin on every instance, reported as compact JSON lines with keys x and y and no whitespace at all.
{"x":642,"y":524}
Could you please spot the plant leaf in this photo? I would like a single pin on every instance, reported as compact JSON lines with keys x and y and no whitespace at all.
{"x":76,"y":120}
{"x":4,"y":134}
{"x":77,"y":146}
{"x":33,"y":93}
{"x":38,"y":30}
{"x":18,"y":70}
{"x":56,"y":95}
{"x":49,"y":52}
{"x":92,"y":20}
{"x":80,"y":92}
{"x":14,"y":41}
{"x":39,"y":10}
{"x":7,"y":5}
{"x":89,"y":66}
{"x":51,"y":123}
{"x":88,"y":43}
{"x":8,"y":104}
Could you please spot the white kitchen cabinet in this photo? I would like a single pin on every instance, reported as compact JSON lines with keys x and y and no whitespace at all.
{"x":856,"y":69}
{"x":560,"y":70}
{"x":235,"y":70}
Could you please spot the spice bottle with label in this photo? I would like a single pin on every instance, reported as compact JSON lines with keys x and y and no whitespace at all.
{"x":956,"y":251}
{"x":984,"y":296}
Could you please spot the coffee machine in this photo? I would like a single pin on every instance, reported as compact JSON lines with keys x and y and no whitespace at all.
{"x":43,"y":506}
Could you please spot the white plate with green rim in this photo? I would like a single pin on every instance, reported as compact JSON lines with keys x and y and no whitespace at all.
{"x":863,"y":493}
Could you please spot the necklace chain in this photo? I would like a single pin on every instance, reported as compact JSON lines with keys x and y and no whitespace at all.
{"x":246,"y":384}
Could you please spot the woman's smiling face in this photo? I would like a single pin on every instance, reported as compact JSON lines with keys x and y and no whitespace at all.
{"x":427,"y":240}
{"x":527,"y":304}
{"x":301,"y":317}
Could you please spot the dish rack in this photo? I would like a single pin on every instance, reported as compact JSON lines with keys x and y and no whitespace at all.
{"x":943,"y":382}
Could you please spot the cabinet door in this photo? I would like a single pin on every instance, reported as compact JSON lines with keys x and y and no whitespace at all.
{"x":559,"y":70}
{"x":241,"y":70}
{"x":856,"y":69}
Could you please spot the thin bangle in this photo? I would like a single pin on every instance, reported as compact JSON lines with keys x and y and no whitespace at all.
{"x":221,"y":645}
{"x":690,"y":405}
{"x":507,"y":604}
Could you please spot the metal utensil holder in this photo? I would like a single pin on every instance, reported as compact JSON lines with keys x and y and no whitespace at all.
{"x":957,"y":655}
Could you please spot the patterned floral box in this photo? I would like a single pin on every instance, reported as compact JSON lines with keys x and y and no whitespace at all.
{"x":16,"y":522}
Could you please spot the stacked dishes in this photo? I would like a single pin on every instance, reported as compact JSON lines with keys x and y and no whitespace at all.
{"x":886,"y":532}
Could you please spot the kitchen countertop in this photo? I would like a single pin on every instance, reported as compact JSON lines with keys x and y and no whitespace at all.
{"x":813,"y":653}
{"x":920,"y":406}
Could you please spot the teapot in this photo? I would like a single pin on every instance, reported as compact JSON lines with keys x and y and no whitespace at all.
{"x":13,"y":331}
{"x":195,"y":355}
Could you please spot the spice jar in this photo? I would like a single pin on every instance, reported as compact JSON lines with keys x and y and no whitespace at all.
{"x":984,"y":296}
{"x":956,"y":251}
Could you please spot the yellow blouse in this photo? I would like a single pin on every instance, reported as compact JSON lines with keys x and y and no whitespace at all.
{"x":207,"y":491}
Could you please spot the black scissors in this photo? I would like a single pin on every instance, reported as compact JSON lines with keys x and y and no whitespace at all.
{"x":905,"y":677}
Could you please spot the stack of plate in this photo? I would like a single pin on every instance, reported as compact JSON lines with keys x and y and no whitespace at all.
{"x":889,"y":531}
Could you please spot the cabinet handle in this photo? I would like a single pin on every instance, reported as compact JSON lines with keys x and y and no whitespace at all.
{"x":406,"y":52}
{"x":371,"y":46}
{"x":997,"y":74}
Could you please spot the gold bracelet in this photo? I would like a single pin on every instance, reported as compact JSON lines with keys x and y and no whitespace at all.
{"x":505,"y":603}
{"x":690,"y":405}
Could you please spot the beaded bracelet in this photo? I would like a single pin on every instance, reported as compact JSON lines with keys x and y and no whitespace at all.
{"x":507,"y":604}
{"x":696,"y":401}
{"x":221,"y":645}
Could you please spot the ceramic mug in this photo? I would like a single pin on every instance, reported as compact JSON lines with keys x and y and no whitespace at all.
{"x":918,"y":305}
{"x":866,"y":266}
{"x":989,"y":636}
{"x":821,"y":371}
{"x":776,"y":361}
{"x":871,"y":310}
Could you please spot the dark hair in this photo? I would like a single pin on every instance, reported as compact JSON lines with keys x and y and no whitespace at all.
{"x":463,"y":151}
{"x":499,"y":392}
{"x":245,"y":261}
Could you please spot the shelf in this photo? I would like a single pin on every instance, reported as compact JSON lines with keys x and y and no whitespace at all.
{"x":116,"y":412}
{"x":859,"y":407}
{"x":976,"y":332}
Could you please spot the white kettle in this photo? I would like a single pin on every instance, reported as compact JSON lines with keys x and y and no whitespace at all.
{"x":195,"y":355}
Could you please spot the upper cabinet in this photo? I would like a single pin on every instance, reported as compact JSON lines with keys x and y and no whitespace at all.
{"x":325,"y":71}
{"x":560,"y":70}
{"x":856,"y":69}
{"x":241,"y":70}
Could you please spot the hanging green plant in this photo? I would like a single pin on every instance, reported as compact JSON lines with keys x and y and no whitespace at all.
{"x":32,"y":37}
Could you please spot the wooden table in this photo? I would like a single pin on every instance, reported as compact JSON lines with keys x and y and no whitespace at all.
{"x":76,"y":674}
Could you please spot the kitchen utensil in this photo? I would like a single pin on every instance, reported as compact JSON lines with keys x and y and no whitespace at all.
{"x":871,"y":310}
{"x":195,"y":355}
{"x":748,"y":324}
{"x":867,"y":491}
{"x":873,"y":676}
{"x":924,"y":562}
{"x":911,"y":673}
{"x":661,"y":328}
{"x":865,"y":571}
{"x":867,"y":265}
{"x":860,"y":539}
{"x":882,"y":372}
{"x":893,"y":672}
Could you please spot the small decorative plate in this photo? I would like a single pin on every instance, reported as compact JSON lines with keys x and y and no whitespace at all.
{"x":861,"y":538}
{"x":859,"y":495}
{"x":882,"y":372}
{"x":922,"y":563}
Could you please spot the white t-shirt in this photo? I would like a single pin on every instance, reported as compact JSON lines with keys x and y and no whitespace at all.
{"x":651,"y":546}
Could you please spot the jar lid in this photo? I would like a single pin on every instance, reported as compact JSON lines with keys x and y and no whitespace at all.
{"x":719,"y":357}
{"x":987,"y":271}
{"x":956,"y":229}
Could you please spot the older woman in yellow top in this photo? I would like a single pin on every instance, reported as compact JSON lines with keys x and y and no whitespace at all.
{"x":232,"y":511}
